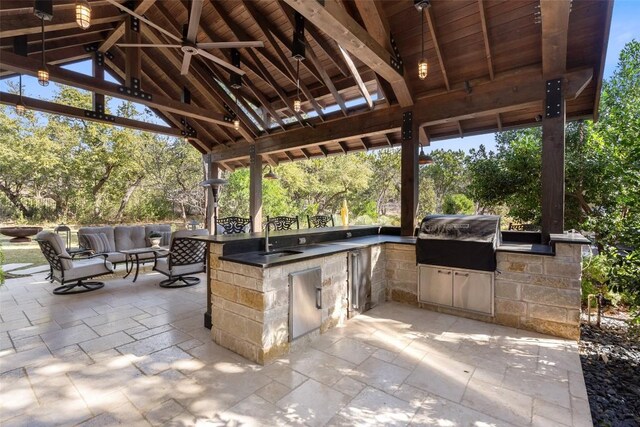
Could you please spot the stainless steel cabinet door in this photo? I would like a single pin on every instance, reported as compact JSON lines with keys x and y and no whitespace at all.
{"x":473,"y":291}
{"x":436,"y":285}
{"x":305,"y":302}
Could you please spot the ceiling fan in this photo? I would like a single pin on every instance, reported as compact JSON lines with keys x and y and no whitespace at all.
{"x":188,"y":44}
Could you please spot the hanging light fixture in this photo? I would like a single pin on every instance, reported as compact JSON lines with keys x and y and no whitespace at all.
{"x":83,"y":14}
{"x":236,"y":120}
{"x":43,"y":72}
{"x":270,"y":174}
{"x":297,"y":104}
{"x":423,"y":67}
{"x":424,"y":159}
{"x":20,"y":108}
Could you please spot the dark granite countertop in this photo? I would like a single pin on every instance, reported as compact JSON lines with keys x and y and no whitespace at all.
{"x":527,"y":248}
{"x":302,"y":253}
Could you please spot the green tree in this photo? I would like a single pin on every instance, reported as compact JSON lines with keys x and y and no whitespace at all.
{"x":457,"y":204}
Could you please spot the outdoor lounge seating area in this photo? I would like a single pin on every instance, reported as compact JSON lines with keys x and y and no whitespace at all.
{"x":134,"y":355}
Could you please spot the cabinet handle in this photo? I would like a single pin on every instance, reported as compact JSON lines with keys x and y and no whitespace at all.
{"x":444,"y":272}
{"x":462,"y":274}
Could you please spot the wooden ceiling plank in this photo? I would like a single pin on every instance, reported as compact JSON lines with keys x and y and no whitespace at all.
{"x":119,"y":31}
{"x":64,"y":20}
{"x":498,"y":96}
{"x":21,"y":7}
{"x":485,"y":35}
{"x":340,"y":26}
{"x":266,"y":29}
{"x":20,"y":64}
{"x":434,"y":39}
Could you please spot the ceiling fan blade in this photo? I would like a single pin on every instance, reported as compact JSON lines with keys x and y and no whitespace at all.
{"x":220,"y":62}
{"x":145,"y":20}
{"x":227,"y":45}
{"x":146,"y":45}
{"x":194,"y":19}
{"x":186,"y":61}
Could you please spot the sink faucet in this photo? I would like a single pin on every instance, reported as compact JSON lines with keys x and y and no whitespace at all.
{"x":267,"y":245}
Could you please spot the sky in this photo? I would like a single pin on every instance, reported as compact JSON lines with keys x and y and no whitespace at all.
{"x":624,"y":28}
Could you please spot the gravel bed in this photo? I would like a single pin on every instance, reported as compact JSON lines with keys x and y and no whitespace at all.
{"x":610,"y":358}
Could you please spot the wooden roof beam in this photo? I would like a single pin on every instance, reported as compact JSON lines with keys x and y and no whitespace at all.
{"x":555,"y":28}
{"x":502,"y":95}
{"x":436,"y":45}
{"x":357,"y":77}
{"x":20,"y":7}
{"x":485,"y":35}
{"x":118,"y":32}
{"x":20,"y":64}
{"x":340,"y":26}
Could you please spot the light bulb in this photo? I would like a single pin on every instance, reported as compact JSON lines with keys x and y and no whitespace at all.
{"x":423,"y":69}
{"x":296,"y":105}
{"x":236,"y":124}
{"x":83,"y":14}
{"x":43,"y":76}
{"x":20,"y":109}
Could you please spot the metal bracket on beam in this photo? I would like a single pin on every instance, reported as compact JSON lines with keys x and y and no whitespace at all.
{"x":396,"y":61}
{"x":135,"y":24}
{"x":553,"y":99}
{"x":407,"y":126}
{"x":229,"y":119}
{"x":98,"y":115}
{"x":231,"y":113}
{"x":93,"y":47}
{"x":135,"y":90}
{"x":187,"y":130}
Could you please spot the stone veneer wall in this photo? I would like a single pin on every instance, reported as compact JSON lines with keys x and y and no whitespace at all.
{"x":534,"y":292}
{"x":250,"y":305}
{"x":540,"y":293}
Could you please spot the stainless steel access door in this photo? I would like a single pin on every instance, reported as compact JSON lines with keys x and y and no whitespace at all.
{"x":305,"y":302}
{"x":359,"y":281}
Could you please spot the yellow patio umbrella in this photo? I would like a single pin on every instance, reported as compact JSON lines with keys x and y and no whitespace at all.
{"x":344,"y":212}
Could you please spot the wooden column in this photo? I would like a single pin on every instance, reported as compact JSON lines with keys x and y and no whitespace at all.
{"x":133,"y":59}
{"x":211,"y":171}
{"x":255,"y":188}
{"x":98,"y":73}
{"x":408,"y":175}
{"x":553,"y":143}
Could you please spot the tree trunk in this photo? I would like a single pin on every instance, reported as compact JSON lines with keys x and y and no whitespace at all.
{"x":14,"y":198}
{"x":127,"y":196}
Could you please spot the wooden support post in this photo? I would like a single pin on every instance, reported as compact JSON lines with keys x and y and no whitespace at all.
{"x":133,"y":61}
{"x":211,"y":171}
{"x":255,"y":188}
{"x":98,"y":73}
{"x":553,"y":147}
{"x":408,"y":175}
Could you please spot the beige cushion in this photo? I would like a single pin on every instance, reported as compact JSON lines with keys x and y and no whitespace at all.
{"x":162,"y":265}
{"x":98,"y":242}
{"x":87,"y":268}
{"x":129,"y":237}
{"x":58,"y":246}
{"x":107,"y":231}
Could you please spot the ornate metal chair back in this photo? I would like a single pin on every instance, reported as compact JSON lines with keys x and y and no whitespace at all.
{"x":186,"y":251}
{"x":235,"y":224}
{"x":320,"y":221}
{"x":284,"y":222}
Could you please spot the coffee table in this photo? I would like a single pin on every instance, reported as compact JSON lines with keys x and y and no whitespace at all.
{"x":134,"y":254}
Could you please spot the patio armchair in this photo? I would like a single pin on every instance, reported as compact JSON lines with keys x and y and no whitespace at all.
{"x":70,"y":272}
{"x":185,"y":257}
{"x":234,"y":225}
{"x":320,"y":221}
{"x":284,"y":222}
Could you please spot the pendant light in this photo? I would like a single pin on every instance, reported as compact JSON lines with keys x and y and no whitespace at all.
{"x":270,"y":174}
{"x":236,"y":120}
{"x":83,"y":14}
{"x":297,"y":104}
{"x":424,"y":159}
{"x":423,"y":67}
{"x":20,"y":108}
{"x":43,"y":72}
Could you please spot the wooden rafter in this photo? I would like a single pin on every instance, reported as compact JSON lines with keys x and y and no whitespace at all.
{"x":485,"y":36}
{"x":340,"y":26}
{"x":357,"y":77}
{"x":270,"y":33}
{"x":119,"y":31}
{"x":436,"y":46}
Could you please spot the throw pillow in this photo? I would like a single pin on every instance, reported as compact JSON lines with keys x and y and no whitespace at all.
{"x":98,"y":243}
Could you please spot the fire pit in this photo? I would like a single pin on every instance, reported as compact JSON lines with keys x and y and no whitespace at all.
{"x":20,"y":234}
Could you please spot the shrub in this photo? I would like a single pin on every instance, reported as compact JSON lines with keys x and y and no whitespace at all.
{"x":458,"y":204}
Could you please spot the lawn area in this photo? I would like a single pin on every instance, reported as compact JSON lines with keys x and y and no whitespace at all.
{"x":28,"y":252}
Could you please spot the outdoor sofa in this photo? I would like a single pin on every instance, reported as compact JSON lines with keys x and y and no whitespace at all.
{"x":111,"y":240}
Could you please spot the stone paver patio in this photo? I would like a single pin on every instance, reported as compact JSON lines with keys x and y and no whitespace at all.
{"x":135,"y":354}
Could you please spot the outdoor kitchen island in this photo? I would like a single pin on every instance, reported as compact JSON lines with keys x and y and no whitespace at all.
{"x":263,"y":305}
